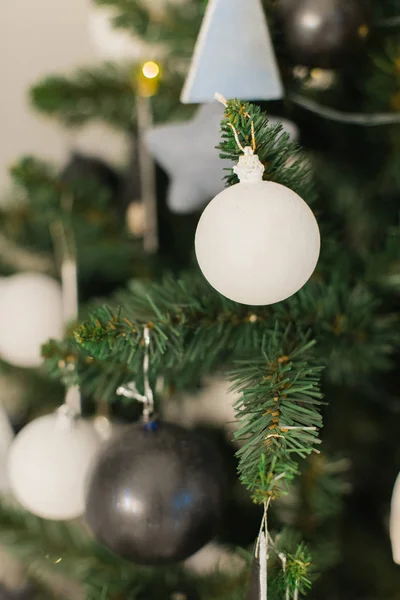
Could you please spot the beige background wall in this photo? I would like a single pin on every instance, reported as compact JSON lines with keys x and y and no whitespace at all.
{"x":38,"y":37}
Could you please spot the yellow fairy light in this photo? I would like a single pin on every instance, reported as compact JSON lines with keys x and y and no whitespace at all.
{"x":363,"y":31}
{"x":146,"y":79}
{"x":317,"y":73}
{"x":150,"y":69}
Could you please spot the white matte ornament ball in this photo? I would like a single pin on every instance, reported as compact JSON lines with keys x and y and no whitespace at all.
{"x":48,"y":465}
{"x":30,"y":314}
{"x":257,"y":242}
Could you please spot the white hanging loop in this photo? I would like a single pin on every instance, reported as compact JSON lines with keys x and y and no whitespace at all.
{"x":130,"y":390}
{"x":146,"y":364}
{"x":249,"y":167}
{"x":265,"y":540}
{"x":73,"y":400}
{"x":261,"y":552}
{"x":69,"y":286}
{"x":65,"y":251}
{"x":69,"y":290}
{"x":263,"y":558}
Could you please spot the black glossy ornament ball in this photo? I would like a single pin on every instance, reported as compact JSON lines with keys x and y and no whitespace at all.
{"x":323,"y":33}
{"x":155,"y":495}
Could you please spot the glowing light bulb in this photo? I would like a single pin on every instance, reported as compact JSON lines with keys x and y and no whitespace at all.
{"x":311,"y":20}
{"x":150,"y":69}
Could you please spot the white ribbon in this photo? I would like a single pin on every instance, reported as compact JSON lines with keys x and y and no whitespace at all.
{"x":263,"y":560}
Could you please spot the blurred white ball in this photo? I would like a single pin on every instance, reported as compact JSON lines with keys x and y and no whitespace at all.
{"x":214,"y":558}
{"x":213,"y":404}
{"x":257,"y":242}
{"x":30,"y":314}
{"x":48,"y":464}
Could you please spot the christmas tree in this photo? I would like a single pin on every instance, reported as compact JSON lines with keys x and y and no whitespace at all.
{"x":295,"y":510}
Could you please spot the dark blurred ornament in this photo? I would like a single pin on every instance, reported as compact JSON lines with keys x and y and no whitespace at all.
{"x":156,"y":494}
{"x":81,"y":165}
{"x":323,"y":33}
{"x":254,"y":586}
{"x":89,"y":168}
{"x":254,"y":592}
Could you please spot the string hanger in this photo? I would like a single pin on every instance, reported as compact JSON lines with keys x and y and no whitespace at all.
{"x":130,"y":390}
{"x":263,"y":544}
{"x":261,"y":552}
{"x":223,"y":101}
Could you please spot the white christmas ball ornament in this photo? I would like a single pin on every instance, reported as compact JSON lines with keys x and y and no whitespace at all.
{"x":30,"y":314}
{"x":48,"y":464}
{"x":257,"y":242}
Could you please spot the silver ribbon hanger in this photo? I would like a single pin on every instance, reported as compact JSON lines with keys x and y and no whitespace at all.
{"x":130,"y":390}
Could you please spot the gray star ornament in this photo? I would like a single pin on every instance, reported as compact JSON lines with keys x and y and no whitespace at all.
{"x":187,"y":153}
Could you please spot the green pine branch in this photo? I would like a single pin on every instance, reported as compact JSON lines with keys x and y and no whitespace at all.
{"x":99,"y":228}
{"x":384,"y":266}
{"x":196,"y":330}
{"x":176,"y":29}
{"x":383,"y":84}
{"x":283,"y":160}
{"x":278,"y":412}
{"x":103,"y":92}
{"x":98,"y":380}
{"x":268,"y":350}
{"x":185,"y":339}
{"x":107,"y":93}
{"x":353,"y":332}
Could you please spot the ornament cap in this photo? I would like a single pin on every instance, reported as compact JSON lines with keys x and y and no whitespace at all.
{"x":249,"y":167}
{"x":66,"y":417}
